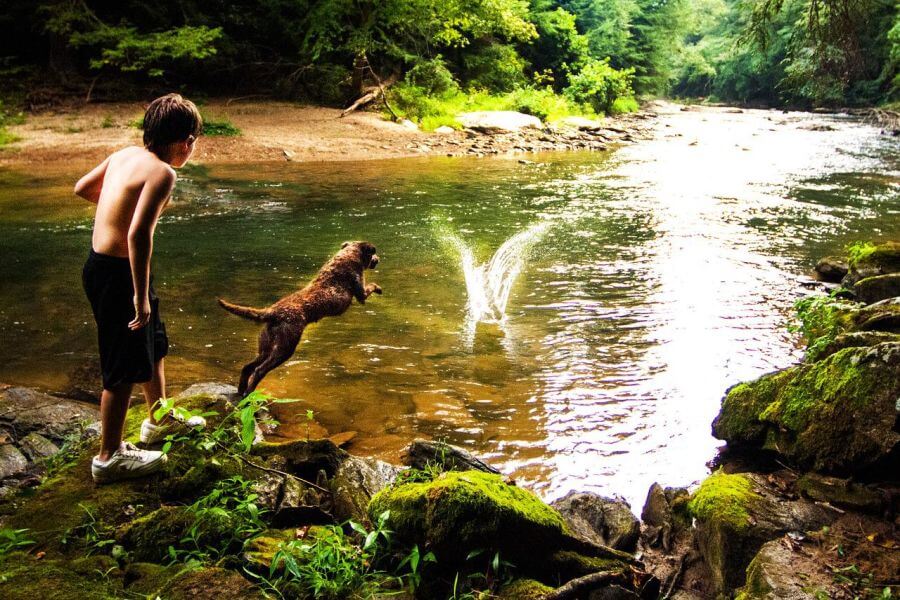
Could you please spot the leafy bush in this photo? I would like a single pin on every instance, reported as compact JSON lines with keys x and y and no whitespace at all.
{"x":432,"y":111}
{"x":495,"y":67}
{"x":599,"y":85}
{"x":432,"y":76}
{"x":222,"y":127}
{"x":623,"y":105}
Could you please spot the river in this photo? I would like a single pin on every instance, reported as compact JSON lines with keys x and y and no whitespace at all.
{"x":649,"y":279}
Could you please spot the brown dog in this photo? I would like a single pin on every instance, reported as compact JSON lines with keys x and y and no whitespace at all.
{"x":328,"y":295}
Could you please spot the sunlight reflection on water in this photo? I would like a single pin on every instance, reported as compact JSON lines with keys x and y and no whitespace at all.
{"x":652,"y":278}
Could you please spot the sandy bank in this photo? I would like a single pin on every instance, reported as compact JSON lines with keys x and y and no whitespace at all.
{"x":276,"y":131}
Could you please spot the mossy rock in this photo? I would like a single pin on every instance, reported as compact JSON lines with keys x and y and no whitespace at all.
{"x":210,"y":583}
{"x":524,"y":589}
{"x":880,"y":287}
{"x":149,"y":537}
{"x":25,"y":577}
{"x":837,"y":414}
{"x":855,"y":339}
{"x":736,"y":514}
{"x":870,"y":260}
{"x":464,"y":510}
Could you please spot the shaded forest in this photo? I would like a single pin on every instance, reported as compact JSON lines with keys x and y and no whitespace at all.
{"x":539,"y":56}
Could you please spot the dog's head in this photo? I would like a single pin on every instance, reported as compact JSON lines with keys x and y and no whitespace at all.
{"x":366,"y":251}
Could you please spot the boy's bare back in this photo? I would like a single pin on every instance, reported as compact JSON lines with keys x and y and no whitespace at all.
{"x":135,"y":187}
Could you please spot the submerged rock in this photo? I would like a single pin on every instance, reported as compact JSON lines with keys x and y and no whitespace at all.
{"x":838,"y":414}
{"x":498,"y":121}
{"x":880,"y":287}
{"x":735,"y":515}
{"x":601,"y":520}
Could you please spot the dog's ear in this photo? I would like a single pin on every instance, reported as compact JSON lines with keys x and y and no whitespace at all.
{"x":345,"y":244}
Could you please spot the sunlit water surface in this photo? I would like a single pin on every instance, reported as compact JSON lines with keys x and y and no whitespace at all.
{"x":647,"y":281}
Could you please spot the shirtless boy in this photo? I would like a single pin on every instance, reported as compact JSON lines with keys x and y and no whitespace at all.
{"x":131,"y":188}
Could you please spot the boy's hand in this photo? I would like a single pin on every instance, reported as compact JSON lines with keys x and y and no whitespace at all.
{"x":141,"y":313}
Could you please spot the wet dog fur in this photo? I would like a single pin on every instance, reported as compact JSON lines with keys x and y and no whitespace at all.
{"x":329,"y":294}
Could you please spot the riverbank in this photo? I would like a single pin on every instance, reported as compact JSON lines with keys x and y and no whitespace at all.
{"x":283,"y":131}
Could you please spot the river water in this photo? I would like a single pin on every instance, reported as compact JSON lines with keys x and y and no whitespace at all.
{"x":639,"y":285}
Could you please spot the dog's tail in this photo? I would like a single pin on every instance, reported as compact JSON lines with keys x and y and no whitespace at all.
{"x":255,"y":314}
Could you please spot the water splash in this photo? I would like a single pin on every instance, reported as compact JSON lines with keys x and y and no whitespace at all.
{"x":489,"y":284}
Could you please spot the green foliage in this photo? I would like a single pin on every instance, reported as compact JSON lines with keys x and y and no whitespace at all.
{"x":222,"y":127}
{"x":858,"y":251}
{"x":821,"y":320}
{"x":330,"y":565}
{"x":13,"y":539}
{"x":432,"y":111}
{"x":495,"y":67}
{"x":230,"y":502}
{"x":599,"y":86}
{"x":7,"y":118}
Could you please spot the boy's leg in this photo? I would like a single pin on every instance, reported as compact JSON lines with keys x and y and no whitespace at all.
{"x":155,"y":388}
{"x":113,"y":408}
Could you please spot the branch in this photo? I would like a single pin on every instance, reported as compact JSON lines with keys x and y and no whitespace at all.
{"x":578,"y":586}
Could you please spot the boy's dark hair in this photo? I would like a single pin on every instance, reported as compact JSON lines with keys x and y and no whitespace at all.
{"x":170,"y":119}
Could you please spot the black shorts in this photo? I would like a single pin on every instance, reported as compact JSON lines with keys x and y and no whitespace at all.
{"x":126,"y":356}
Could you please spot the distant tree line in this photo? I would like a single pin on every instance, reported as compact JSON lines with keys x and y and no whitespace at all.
{"x":598,"y":53}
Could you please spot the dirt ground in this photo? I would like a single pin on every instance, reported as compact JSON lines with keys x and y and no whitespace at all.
{"x":269,"y":131}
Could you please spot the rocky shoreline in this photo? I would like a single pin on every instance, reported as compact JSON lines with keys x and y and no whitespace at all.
{"x":803,"y":503}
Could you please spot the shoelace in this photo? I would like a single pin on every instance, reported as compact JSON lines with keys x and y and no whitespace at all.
{"x":132,"y":451}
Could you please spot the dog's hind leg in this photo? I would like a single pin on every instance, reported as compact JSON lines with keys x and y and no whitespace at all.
{"x":263,"y":350}
{"x":285,"y":341}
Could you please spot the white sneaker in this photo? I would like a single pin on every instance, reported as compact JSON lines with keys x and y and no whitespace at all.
{"x":153,"y":434}
{"x":127,"y":462}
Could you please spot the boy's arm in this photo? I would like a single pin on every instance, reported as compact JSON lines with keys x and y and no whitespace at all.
{"x":89,"y":186}
{"x":153,"y":198}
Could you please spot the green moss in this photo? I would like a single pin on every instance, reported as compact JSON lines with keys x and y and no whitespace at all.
{"x":149,"y":538}
{"x":724,"y":499}
{"x":859,"y":251}
{"x":524,"y":589}
{"x":24,"y":577}
{"x":465,"y":510}
{"x":833,"y":414}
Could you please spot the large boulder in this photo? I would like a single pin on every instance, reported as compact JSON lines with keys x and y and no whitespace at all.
{"x":870,"y":260}
{"x":736,"y":514}
{"x":838,"y":414}
{"x":773,"y":575}
{"x":877,"y":288}
{"x":462,"y":511}
{"x":602,"y":520}
{"x":498,"y":121}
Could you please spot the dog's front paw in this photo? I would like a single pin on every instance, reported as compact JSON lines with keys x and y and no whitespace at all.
{"x":376,"y":288}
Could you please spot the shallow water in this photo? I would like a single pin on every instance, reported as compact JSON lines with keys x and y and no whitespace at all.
{"x":659,"y":274}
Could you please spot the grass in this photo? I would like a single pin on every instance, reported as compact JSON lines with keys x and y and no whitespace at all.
{"x":6,"y":119}
{"x":431,"y":112}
